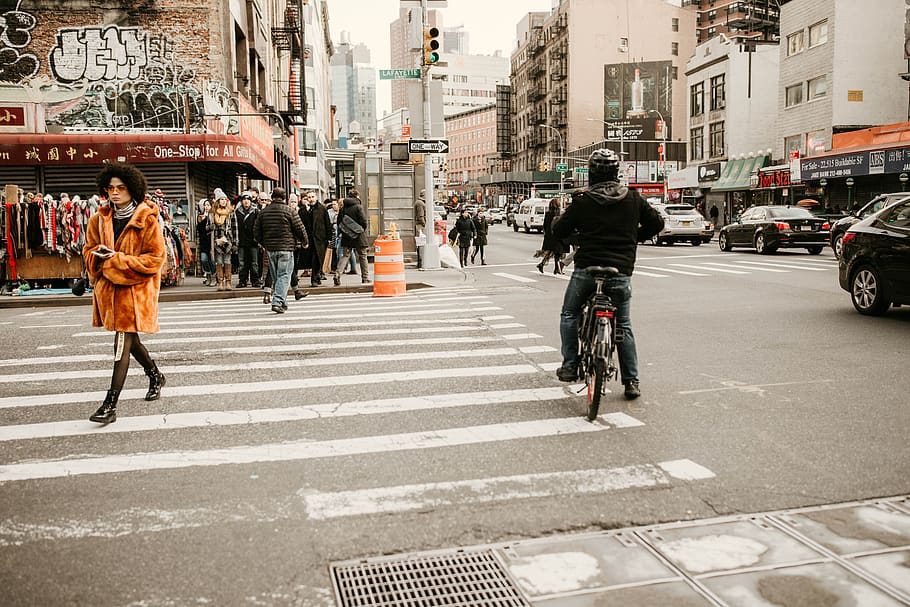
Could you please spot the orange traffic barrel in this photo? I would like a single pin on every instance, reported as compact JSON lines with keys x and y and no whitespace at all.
{"x":388,"y":267}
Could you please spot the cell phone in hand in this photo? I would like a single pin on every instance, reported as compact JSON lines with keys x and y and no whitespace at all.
{"x":103,"y":252}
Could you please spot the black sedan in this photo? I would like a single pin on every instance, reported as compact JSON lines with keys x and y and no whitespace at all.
{"x":768,"y":228}
{"x":840,"y":227}
{"x":874,"y":266}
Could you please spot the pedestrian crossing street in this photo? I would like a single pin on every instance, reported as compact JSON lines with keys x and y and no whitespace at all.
{"x":339,"y":376}
{"x":695,"y":266}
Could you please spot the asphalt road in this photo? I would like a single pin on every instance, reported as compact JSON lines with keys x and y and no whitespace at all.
{"x":354,"y":427}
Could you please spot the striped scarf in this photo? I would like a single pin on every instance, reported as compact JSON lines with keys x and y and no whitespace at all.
{"x":124,"y":212}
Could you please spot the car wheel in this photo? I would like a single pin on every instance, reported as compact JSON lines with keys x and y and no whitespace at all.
{"x":761,"y":245}
{"x":868,"y":292}
{"x":814,"y":250}
{"x":723,"y":242}
{"x":838,"y":246}
{"x":696,"y":243}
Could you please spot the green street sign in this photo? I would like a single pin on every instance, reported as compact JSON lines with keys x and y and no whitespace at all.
{"x":581,"y":170}
{"x":562,"y":167}
{"x":399,"y":74}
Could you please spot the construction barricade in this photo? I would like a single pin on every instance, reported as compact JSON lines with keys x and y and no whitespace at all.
{"x":388,"y":267}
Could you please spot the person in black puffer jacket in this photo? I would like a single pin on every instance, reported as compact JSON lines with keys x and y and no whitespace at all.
{"x":278,"y":229}
{"x":610,"y":220}
{"x":247,"y":249}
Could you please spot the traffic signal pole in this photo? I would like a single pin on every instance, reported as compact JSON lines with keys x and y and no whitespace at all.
{"x":431,"y":251}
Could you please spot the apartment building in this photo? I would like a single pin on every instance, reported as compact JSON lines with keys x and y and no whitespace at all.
{"x":472,"y":142}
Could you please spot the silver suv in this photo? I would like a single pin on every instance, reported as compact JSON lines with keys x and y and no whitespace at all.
{"x":682,"y":223}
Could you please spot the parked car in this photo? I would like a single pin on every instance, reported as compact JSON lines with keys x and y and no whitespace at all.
{"x":874,"y":266}
{"x":767,"y":228}
{"x":840,"y":227}
{"x":530,"y":215}
{"x":708,"y":233}
{"x":496,"y":215}
{"x":682,"y":223}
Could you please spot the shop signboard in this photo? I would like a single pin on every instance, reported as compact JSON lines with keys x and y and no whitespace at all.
{"x":709,"y":172}
{"x":774,"y":178}
{"x":841,"y":165}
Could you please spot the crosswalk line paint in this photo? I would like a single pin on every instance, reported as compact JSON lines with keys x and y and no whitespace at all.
{"x":650,"y":274}
{"x":670,"y":270}
{"x":550,"y":275}
{"x":38,"y":400}
{"x":741,"y":267}
{"x":270,"y":364}
{"x":785,"y":265}
{"x":522,"y":336}
{"x":297,"y":450}
{"x":514,"y":277}
{"x":328,"y":505}
{"x":207,"y":419}
{"x":691,"y":267}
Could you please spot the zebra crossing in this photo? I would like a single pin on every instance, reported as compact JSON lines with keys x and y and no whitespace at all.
{"x":338,"y":376}
{"x":711,"y":266}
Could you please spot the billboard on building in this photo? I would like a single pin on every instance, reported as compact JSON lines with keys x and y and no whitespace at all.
{"x":633,"y":90}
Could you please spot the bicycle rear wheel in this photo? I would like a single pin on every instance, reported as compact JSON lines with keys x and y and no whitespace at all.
{"x":594,"y":378}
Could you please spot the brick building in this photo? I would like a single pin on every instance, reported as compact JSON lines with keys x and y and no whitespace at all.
{"x":472,"y":143}
{"x":198,"y":93}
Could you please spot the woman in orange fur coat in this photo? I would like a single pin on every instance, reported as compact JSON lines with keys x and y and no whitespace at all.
{"x":124,"y":253}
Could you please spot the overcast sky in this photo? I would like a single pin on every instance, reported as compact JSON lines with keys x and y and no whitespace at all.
{"x":491,"y":24}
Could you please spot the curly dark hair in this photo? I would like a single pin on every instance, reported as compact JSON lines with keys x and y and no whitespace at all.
{"x":131,"y":176}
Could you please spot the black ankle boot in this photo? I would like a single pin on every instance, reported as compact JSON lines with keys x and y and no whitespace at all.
{"x":156,"y":382}
{"x":107,"y":412}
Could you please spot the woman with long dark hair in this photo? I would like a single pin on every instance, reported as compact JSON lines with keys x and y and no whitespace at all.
{"x":124,"y":253}
{"x":553,"y":248}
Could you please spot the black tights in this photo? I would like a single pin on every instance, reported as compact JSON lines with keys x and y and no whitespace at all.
{"x":463,"y":255}
{"x":124,"y":345}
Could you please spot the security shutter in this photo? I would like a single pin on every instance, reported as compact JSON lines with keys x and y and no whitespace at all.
{"x":25,"y":177}
{"x":75,"y":180}
{"x":170,"y":178}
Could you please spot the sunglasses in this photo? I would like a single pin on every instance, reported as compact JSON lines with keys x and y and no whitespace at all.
{"x":116,"y":188}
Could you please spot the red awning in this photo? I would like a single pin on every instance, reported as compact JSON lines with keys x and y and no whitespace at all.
{"x":138,"y":148}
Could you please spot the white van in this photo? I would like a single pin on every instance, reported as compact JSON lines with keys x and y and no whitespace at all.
{"x":530,"y":214}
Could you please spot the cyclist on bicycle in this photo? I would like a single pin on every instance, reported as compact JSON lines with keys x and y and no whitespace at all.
{"x":609,"y":220}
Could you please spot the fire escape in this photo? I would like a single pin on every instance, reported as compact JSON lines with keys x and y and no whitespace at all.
{"x":289,"y":38}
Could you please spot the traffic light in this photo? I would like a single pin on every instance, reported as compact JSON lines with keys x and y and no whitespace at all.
{"x":430,"y":45}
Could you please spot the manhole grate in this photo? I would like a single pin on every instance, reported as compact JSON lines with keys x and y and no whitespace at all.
{"x":456,"y":578}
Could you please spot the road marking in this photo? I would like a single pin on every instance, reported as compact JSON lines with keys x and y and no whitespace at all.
{"x":621,"y":420}
{"x":325,"y":505}
{"x":270,"y":364}
{"x":205,"y":419}
{"x":521,"y":336}
{"x":507,"y":325}
{"x":536,"y":349}
{"x":670,"y":270}
{"x":549,"y":366}
{"x":683,"y":265}
{"x":514,"y":277}
{"x":38,"y":400}
{"x":50,"y":326}
{"x":298,"y":450}
{"x":638,"y":272}
{"x":785,"y":265}
{"x":551,"y":275}
{"x":753,"y":388}
{"x":736,"y":267}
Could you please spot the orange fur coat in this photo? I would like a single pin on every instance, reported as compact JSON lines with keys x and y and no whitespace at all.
{"x":126,"y":285}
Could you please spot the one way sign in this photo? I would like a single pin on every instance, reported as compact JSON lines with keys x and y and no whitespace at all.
{"x":428,"y":146}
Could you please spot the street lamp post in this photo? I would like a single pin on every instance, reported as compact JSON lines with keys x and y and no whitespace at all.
{"x":823,"y":183}
{"x":562,"y":156}
{"x":904,"y":178}
{"x":849,"y":183}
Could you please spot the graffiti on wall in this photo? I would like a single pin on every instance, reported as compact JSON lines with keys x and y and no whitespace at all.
{"x":15,"y":34}
{"x":132,"y":80}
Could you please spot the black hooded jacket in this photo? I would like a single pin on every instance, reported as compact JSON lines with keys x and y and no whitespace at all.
{"x":611,"y":220}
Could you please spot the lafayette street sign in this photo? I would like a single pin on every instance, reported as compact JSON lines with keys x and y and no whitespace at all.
{"x":399,"y":74}
{"x":428,"y":146}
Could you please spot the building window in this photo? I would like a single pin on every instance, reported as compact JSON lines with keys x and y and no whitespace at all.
{"x":697,"y":99}
{"x":674,"y":24}
{"x":716,"y":135}
{"x":793,"y":144}
{"x":795,"y":43}
{"x":818,"y":87}
{"x":674,"y":49}
{"x":794,"y":95}
{"x":718,"y":92}
{"x":816,"y":142}
{"x":818,"y":33}
{"x":697,"y":143}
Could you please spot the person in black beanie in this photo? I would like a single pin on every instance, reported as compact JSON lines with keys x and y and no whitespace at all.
{"x":610,"y":220}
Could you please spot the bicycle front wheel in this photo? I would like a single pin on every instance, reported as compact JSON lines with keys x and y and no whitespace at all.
{"x":595,"y":374}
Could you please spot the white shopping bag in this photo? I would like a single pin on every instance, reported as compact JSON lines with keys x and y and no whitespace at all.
{"x":447,"y":256}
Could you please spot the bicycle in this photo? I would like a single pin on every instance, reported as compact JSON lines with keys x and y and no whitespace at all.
{"x":597,"y":339}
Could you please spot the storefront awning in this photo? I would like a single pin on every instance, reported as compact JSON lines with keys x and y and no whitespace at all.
{"x":33,"y":149}
{"x":736,"y":174}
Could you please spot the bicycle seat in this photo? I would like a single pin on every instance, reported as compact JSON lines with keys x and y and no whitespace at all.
{"x":606,"y":271}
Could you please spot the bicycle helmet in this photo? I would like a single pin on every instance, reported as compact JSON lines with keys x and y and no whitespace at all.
{"x":603,"y":165}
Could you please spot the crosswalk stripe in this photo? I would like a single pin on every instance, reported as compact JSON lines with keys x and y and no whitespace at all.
{"x":740,"y":267}
{"x":298,"y":450}
{"x":205,"y":419}
{"x":669,"y":270}
{"x":784,"y":265}
{"x":551,"y":275}
{"x":691,"y":267}
{"x":270,"y":364}
{"x":650,"y":274}
{"x":514,"y":277}
{"x":328,"y":505}
{"x":37,"y":400}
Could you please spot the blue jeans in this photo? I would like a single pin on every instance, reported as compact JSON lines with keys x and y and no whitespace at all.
{"x":281,"y":264}
{"x":248,"y":258}
{"x":206,"y":262}
{"x":619,"y":289}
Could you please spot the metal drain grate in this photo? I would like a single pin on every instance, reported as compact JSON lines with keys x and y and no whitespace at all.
{"x":456,"y":578}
